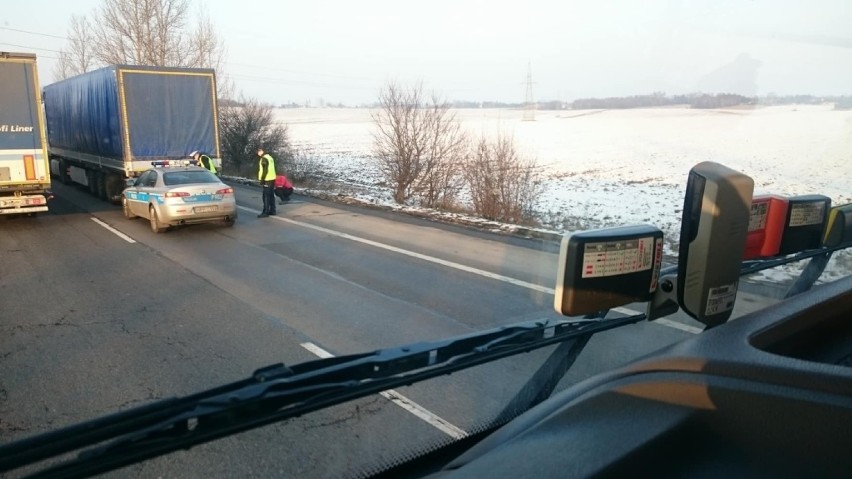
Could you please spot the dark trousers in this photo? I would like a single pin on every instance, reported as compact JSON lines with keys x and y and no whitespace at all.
{"x":284,"y":193}
{"x":268,"y":199}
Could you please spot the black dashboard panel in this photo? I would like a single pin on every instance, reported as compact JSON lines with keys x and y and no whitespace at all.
{"x":766,"y":395}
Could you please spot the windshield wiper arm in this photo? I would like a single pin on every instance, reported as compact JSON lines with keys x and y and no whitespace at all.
{"x":278,"y":393}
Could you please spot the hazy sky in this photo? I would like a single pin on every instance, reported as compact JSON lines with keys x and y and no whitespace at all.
{"x":480,"y":50}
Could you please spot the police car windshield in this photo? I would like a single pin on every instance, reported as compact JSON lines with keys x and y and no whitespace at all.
{"x":188,"y":177}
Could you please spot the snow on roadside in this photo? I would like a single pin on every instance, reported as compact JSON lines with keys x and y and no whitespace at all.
{"x":618,"y":167}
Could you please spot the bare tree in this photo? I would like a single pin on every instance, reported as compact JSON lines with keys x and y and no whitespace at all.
{"x":440,"y":187}
{"x":79,"y":57}
{"x":418,"y":144}
{"x":503,"y":186}
{"x":447,"y":150}
{"x":246,"y":126}
{"x":206,"y":49}
{"x":142,"y":32}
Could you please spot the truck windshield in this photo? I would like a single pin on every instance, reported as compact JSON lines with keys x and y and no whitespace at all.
{"x":411,"y":293}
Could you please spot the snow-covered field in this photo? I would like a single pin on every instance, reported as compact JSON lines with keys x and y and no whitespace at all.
{"x":619,"y":167}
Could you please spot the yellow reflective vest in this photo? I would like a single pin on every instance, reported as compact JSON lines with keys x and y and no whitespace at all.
{"x":212,"y":167}
{"x":270,"y":168}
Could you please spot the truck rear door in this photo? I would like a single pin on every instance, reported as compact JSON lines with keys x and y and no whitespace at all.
{"x":24,"y":173}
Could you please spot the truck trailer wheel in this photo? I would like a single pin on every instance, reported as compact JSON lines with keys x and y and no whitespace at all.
{"x":101,"y":182}
{"x":92,"y":182}
{"x":114,"y":185}
{"x":156,"y":227}
{"x":63,"y":173}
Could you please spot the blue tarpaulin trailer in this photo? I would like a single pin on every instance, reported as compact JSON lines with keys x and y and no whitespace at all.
{"x":110,"y":124}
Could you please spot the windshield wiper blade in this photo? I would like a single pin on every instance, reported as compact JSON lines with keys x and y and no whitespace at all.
{"x":277,"y":393}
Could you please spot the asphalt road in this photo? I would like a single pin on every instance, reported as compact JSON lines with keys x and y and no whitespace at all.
{"x":100,"y":314}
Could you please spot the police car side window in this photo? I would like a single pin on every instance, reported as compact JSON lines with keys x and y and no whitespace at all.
{"x":151,"y":179}
{"x":142,"y":179}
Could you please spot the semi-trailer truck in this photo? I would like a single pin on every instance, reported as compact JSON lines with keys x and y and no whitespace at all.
{"x":111,"y":124}
{"x":24,"y":170}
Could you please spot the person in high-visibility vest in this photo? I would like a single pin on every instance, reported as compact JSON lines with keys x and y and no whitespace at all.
{"x":204,"y":161}
{"x":266,"y":176}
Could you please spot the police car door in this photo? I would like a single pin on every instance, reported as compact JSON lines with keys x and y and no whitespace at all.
{"x":137,"y":195}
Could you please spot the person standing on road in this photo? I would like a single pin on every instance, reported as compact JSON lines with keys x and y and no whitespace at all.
{"x":266,"y":176}
{"x":204,"y":161}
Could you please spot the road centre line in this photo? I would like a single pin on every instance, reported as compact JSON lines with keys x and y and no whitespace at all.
{"x":461,"y":267}
{"x":403,"y":402}
{"x":114,"y":231}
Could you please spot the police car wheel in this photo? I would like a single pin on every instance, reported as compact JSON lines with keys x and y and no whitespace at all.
{"x":126,"y":209}
{"x":156,"y":227}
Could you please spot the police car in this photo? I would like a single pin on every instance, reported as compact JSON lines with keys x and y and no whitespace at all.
{"x":171,"y":195}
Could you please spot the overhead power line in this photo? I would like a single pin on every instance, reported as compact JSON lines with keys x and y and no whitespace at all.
{"x":240,"y":76}
{"x":34,"y":33}
{"x":29,"y":47}
{"x":284,"y":70}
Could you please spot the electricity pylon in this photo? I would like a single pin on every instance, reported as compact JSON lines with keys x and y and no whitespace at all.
{"x":529,"y":104}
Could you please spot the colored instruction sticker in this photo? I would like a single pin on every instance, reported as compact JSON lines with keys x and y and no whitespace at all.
{"x":613,"y":258}
{"x":804,"y":214}
{"x":757,"y":219}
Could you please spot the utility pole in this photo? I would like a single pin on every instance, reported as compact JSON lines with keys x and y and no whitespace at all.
{"x":529,"y":104}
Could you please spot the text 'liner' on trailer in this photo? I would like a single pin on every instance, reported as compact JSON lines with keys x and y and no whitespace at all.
{"x":24,"y":170}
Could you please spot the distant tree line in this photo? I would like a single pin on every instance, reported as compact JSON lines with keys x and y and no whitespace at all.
{"x":840,"y":101}
{"x":653,"y":100}
{"x":659,"y":99}
{"x":843,"y":103}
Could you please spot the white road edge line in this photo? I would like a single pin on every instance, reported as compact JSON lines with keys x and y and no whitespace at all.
{"x":114,"y":231}
{"x":450,"y":264}
{"x":662,"y":321}
{"x":403,"y":402}
{"x":424,"y":257}
{"x":680,"y":326}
